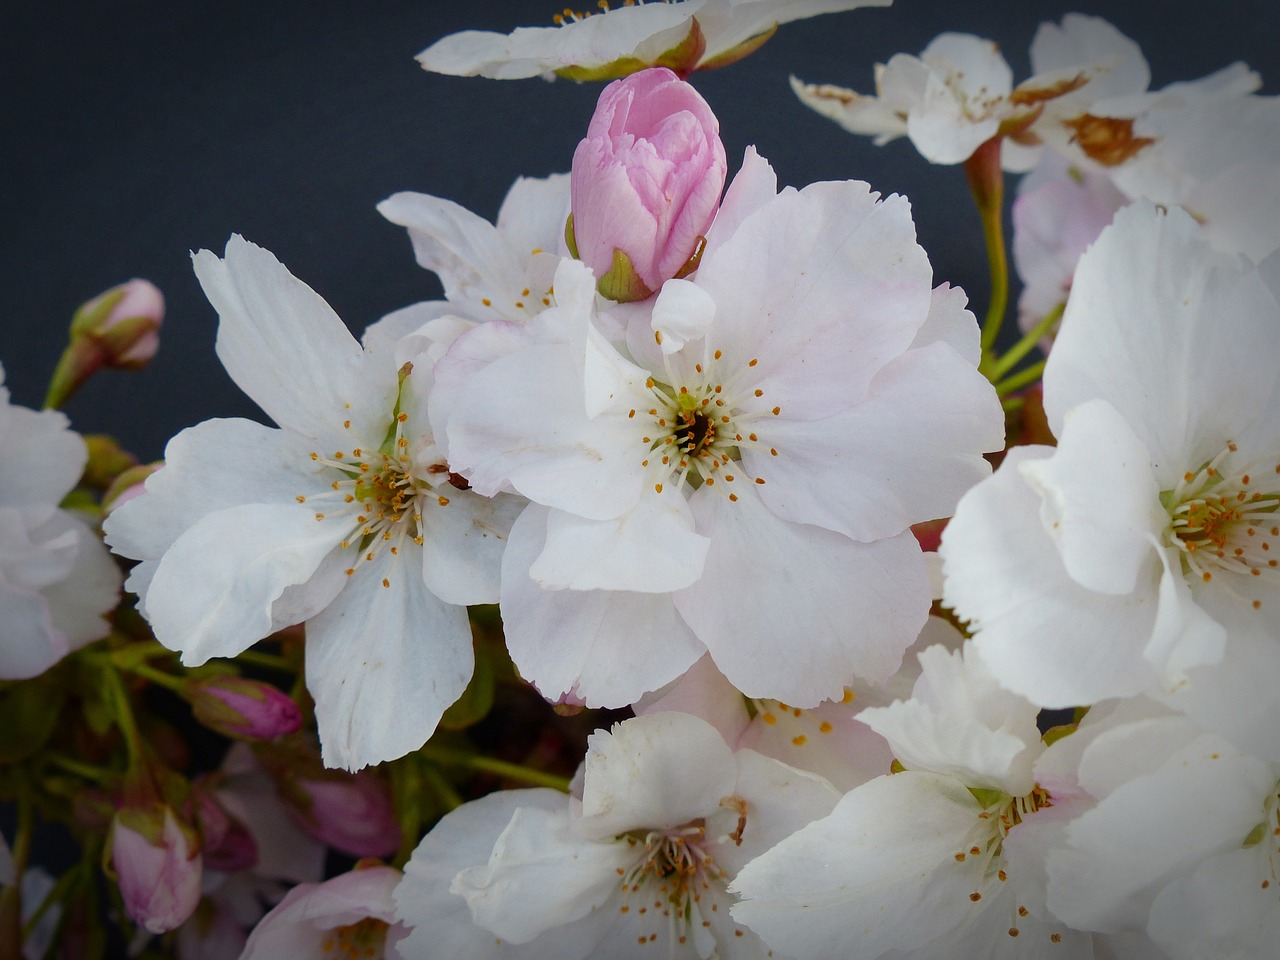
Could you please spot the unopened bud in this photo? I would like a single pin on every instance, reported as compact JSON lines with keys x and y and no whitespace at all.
{"x":645,"y":183}
{"x":128,"y":484}
{"x":119,"y":328}
{"x":242,"y":708}
{"x":352,"y":813}
{"x":157,"y":864}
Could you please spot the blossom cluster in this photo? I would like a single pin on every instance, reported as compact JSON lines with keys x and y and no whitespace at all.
{"x":911,"y":646}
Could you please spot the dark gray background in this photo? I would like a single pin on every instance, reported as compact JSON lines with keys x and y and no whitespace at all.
{"x":134,"y":132}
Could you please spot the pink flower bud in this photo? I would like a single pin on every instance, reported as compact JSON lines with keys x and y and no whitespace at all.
{"x":128,"y":484}
{"x":157,"y":862}
{"x":645,"y":183}
{"x":119,"y":328}
{"x":350,"y":812}
{"x":228,"y":844}
{"x":125,"y":321}
{"x":242,"y":708}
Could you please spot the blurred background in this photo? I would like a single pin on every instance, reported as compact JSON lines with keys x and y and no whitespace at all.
{"x":135,"y":131}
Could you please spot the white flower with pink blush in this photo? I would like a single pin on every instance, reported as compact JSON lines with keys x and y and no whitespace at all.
{"x":666,"y":816}
{"x":747,"y":470}
{"x":351,"y":915}
{"x":602,"y":44}
{"x":346,"y":517}
{"x":57,"y":581}
{"x":1140,"y":554}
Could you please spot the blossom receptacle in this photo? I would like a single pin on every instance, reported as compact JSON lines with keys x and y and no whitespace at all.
{"x":157,"y":862}
{"x":645,"y":183}
{"x":119,"y":328}
{"x":242,"y":708}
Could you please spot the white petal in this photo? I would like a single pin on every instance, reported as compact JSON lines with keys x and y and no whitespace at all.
{"x":1099,"y":501}
{"x":904,"y":455}
{"x":384,"y":662}
{"x":682,"y":312}
{"x":872,"y":873}
{"x":1041,"y":633}
{"x":951,"y":321}
{"x":39,"y":439}
{"x":287,"y":349}
{"x":794,"y":612}
{"x":463,"y":549}
{"x":31,"y":642}
{"x":657,"y":771}
{"x":651,"y":548}
{"x":213,"y":591}
{"x":586,"y":640}
{"x":539,"y":876}
{"x":91,"y":589}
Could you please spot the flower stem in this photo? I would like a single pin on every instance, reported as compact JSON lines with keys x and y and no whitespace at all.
{"x":1020,"y":379}
{"x":1010,"y":358}
{"x":125,"y":719}
{"x":88,"y":771}
{"x":986,"y":183}
{"x":512,"y":771}
{"x":158,"y":677}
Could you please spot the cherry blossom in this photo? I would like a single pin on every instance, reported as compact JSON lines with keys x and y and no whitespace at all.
{"x":346,"y":517}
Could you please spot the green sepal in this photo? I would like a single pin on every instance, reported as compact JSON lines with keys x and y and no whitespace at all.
{"x":987,"y":797}
{"x":570,"y":240}
{"x":744,"y":49}
{"x":622,"y":284}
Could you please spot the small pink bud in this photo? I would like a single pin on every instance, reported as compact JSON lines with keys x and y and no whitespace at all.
{"x":352,"y":813}
{"x":228,"y":845}
{"x":646,"y":183}
{"x":125,"y":321}
{"x":128,"y":484}
{"x":119,"y":328}
{"x":242,"y":708}
{"x":157,"y":863}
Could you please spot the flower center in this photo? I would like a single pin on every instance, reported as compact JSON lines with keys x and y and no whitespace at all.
{"x":1221,"y":521}
{"x":701,"y":425}
{"x":378,"y":494}
{"x":357,"y":941}
{"x":984,"y":846}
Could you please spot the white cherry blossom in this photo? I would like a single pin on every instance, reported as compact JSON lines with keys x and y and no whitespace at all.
{"x":757,"y":482}
{"x":604,"y":43}
{"x":346,"y":517}
{"x":637,"y":865}
{"x":1139,"y":555}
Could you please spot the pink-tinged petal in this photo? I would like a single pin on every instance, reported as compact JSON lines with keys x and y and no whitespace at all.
{"x":533,"y":213}
{"x":873,"y":858}
{"x":754,"y":185}
{"x":905,"y":454}
{"x":952,"y":322}
{"x":287,"y":349}
{"x":463,"y":553}
{"x":1035,"y":627}
{"x":824,"y":287}
{"x":37,"y":437}
{"x":214,"y":589}
{"x":585,"y":641}
{"x":823,"y":610}
{"x":682,"y":312}
{"x":1099,"y":501}
{"x":311,"y":913}
{"x":652,"y":548}
{"x":540,"y":875}
{"x":654,"y":772}
{"x":1160,"y":324}
{"x":384,"y":661}
{"x":703,"y":692}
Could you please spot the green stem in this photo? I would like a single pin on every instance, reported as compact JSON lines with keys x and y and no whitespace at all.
{"x":986,"y":183}
{"x":269,"y":660}
{"x":99,"y":775}
{"x":1020,"y":379}
{"x":1032,"y":337}
{"x":136,"y":652}
{"x":125,"y":719}
{"x":158,"y":677}
{"x":442,"y":788}
{"x":512,"y":771}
